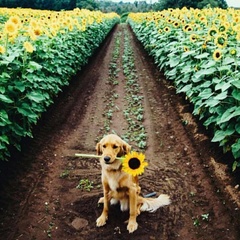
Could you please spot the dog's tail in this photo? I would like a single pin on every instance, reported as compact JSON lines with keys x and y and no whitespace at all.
{"x":152,"y":204}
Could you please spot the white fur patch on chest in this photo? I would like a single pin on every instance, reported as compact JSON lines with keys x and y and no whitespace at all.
{"x":113,"y":184}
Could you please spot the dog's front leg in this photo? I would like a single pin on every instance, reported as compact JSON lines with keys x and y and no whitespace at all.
{"x":104,"y":216}
{"x":132,"y":223}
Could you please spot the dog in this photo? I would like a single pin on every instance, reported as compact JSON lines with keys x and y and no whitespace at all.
{"x":122,"y":187}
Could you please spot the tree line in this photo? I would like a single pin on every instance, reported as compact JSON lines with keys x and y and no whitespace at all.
{"x":109,"y":6}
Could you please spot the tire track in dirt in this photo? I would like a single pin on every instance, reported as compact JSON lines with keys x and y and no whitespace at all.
{"x":53,"y":208}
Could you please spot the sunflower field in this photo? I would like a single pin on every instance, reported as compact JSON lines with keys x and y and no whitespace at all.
{"x":199,"y":50}
{"x":39,"y":53}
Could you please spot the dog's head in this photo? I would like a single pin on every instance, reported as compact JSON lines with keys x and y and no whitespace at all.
{"x":112,"y":146}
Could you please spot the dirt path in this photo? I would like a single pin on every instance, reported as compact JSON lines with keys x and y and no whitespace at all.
{"x":45,"y":199}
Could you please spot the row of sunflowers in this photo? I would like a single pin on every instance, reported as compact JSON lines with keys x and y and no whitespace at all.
{"x":39,"y":53}
{"x":199,"y":51}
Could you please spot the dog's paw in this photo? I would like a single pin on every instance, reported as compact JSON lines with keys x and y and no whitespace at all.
{"x":101,"y":200}
{"x":101,"y":221}
{"x":113,"y":201}
{"x":132,"y":226}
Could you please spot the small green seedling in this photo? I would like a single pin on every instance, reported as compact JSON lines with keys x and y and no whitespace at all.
{"x":85,"y":184}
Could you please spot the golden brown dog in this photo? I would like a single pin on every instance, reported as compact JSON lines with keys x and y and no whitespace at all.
{"x":119,"y":186}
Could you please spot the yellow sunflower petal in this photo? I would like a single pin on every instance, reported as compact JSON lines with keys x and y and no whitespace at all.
{"x":133,"y":163}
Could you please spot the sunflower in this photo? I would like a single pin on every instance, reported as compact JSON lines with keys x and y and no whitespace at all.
{"x":217,"y":54}
{"x":187,"y":28}
{"x":222,"y":28}
{"x":233,"y":51}
{"x":10,"y":28}
{"x":2,"y":50}
{"x":15,"y":20}
{"x":176,"y":24}
{"x":28,"y":47}
{"x":133,"y":163}
{"x":37,"y":31}
{"x":220,"y":41}
{"x":238,"y":36}
{"x":203,"y":19}
{"x":212,"y":32}
{"x":167,"y":29}
{"x":185,"y":49}
{"x":193,"y":37}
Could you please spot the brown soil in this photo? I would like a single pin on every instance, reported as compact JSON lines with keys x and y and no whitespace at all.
{"x":39,"y":199}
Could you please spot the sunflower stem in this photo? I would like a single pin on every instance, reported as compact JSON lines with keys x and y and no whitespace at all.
{"x":83,"y":155}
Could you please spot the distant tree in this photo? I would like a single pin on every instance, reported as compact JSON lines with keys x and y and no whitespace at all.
{"x":8,"y":3}
{"x":40,"y":4}
{"x":87,"y":4}
{"x":165,"y":4}
{"x":212,"y":3}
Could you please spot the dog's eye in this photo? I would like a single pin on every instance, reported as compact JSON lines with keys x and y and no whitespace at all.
{"x":104,"y":146}
{"x":115,"y":146}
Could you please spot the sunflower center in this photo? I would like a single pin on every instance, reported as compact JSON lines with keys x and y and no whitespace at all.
{"x":134,"y":163}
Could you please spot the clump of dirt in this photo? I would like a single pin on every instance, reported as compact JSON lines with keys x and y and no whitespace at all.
{"x":48,"y":193}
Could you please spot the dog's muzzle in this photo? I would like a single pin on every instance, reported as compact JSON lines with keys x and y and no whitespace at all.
{"x":107,"y":159}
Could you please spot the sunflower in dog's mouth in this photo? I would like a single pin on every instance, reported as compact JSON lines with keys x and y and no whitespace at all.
{"x":134,"y":163}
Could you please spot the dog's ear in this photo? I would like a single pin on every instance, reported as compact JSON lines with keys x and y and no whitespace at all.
{"x":98,"y":149}
{"x":125,"y":148}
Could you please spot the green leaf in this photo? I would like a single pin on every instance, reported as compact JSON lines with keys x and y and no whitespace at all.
{"x":237,"y":127}
{"x":235,"y":165}
{"x":206,"y":84}
{"x":211,"y":102}
{"x":224,"y":68}
{"x":186,"y":88}
{"x":18,"y":130}
{"x":4,"y":139}
{"x":206,"y":93}
{"x":210,"y":120}
{"x":203,"y":55}
{"x":8,"y":59}
{"x":5,"y":99}
{"x":33,"y":66}
{"x":172,"y":72}
{"x":221,"y":96}
{"x":229,"y":114}
{"x":20,"y":86}
{"x":235,"y":149}
{"x":26,"y":110}
{"x":236,"y":94}
{"x":222,"y":86}
{"x":209,"y":64}
{"x":188,"y":53}
{"x":204,"y":72}
{"x":221,"y":134}
{"x":174,"y":62}
{"x":228,"y":60}
{"x":236,"y":83}
{"x":218,"y":136}
{"x":35,"y":96}
{"x":4,"y":120}
{"x":2,"y":89}
{"x":4,"y":77}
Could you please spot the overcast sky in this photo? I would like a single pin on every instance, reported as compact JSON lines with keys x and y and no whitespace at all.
{"x":231,"y":3}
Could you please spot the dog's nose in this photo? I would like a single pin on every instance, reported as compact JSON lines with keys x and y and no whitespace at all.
{"x":107,"y":159}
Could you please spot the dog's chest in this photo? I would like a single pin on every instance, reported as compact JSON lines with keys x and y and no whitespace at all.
{"x":113,"y":181}
{"x":113,"y":184}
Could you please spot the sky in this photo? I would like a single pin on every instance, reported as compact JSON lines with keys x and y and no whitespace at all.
{"x":231,"y":3}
